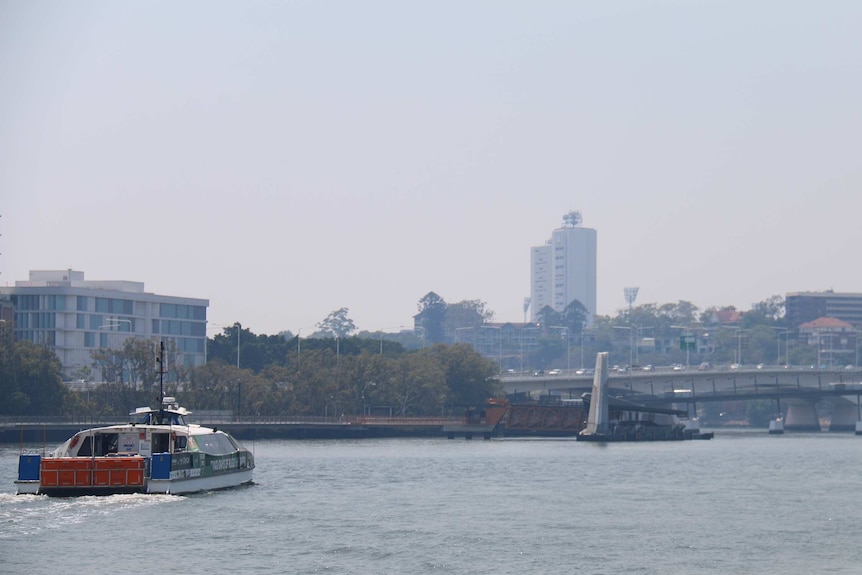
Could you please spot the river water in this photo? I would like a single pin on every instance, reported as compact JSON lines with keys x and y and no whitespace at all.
{"x":745,"y":502}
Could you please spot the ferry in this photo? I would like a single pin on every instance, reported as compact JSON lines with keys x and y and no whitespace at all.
{"x":157,"y":452}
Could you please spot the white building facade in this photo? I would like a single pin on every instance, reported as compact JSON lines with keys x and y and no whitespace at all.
{"x":73,"y":316}
{"x":564,"y":269}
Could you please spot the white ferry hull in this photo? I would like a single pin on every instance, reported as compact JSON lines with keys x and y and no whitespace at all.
{"x":27,"y":487}
{"x":196,"y":484}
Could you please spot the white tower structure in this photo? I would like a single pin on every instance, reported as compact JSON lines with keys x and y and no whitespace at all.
{"x":564,"y":269}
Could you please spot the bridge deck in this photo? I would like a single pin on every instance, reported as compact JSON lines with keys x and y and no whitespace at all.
{"x":697,"y":386}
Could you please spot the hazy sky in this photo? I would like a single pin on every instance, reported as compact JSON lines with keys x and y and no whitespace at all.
{"x":286,"y":159}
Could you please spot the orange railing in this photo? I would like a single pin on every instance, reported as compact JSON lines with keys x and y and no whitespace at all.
{"x":92,"y":472}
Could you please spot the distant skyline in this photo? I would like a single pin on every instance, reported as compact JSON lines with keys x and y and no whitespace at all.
{"x":284,"y":160}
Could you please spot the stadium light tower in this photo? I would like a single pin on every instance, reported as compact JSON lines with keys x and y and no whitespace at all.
{"x":631,"y":294}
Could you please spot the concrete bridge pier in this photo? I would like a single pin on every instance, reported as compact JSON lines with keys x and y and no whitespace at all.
{"x":801,"y":416}
{"x":845,"y":415}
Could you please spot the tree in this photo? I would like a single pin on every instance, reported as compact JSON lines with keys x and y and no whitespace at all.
{"x":337,"y":324}
{"x":547,"y":317}
{"x":418,"y":385}
{"x":432,"y":314}
{"x":469,"y":376}
{"x":256,"y":352}
{"x":575,"y":317}
{"x":139,"y":359}
{"x":473,"y":305}
{"x":768,"y":312}
{"x":38,"y":385}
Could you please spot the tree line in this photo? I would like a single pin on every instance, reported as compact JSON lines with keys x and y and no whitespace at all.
{"x":408,"y":373}
{"x":321,"y":377}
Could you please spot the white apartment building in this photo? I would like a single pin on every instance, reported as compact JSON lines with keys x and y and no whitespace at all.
{"x":564,"y":269}
{"x":73,"y":316}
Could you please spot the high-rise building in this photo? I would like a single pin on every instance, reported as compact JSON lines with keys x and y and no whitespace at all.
{"x":73,"y":316}
{"x":564,"y":269}
{"x":801,"y":307}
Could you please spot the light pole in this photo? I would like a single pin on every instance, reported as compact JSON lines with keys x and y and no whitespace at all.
{"x":786,"y":332}
{"x":739,"y":346}
{"x":299,"y":343}
{"x":420,"y":327}
{"x":582,"y":349}
{"x":857,"y":349}
{"x":631,"y":342}
{"x":238,"y":327}
{"x":364,"y":387}
{"x":238,"y":331}
{"x":380,"y":332}
{"x":521,"y":342}
{"x":500,"y":341}
{"x":564,"y":332}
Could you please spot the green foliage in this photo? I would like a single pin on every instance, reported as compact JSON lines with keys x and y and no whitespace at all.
{"x":30,"y":378}
{"x":474,"y":306}
{"x":255,"y":351}
{"x":337,"y":324}
{"x":432,"y":314}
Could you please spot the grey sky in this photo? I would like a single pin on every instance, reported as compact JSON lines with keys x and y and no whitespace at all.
{"x":286,"y":159}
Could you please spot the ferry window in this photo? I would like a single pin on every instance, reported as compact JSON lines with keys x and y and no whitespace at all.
{"x":180,"y":443}
{"x":109,"y":443}
{"x":160,"y":443}
{"x":215,"y":444}
{"x":86,"y":447}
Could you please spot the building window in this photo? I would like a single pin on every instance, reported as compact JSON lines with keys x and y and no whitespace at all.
{"x":114,"y":306}
{"x":57,"y":302}
{"x":82,"y":303}
{"x":180,"y":311}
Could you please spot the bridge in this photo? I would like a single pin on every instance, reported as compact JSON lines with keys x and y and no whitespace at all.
{"x":798,"y":388}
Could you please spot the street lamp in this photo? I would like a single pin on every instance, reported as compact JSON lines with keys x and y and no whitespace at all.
{"x":420,"y":327}
{"x":238,"y":327}
{"x":564,"y":332}
{"x":364,"y":387}
{"x":739,"y":331}
{"x":299,"y":343}
{"x":380,"y":331}
{"x":786,"y":346}
{"x":857,"y":349}
{"x":631,"y":342}
{"x":500,"y":340}
{"x":238,"y":331}
{"x":582,"y":348}
{"x":521,"y":341}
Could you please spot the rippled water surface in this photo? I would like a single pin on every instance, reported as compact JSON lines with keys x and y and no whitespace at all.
{"x":744,"y":502}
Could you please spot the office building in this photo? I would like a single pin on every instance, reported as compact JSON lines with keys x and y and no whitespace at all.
{"x":74,"y":316}
{"x":564,"y":269}
{"x":802,"y":307}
